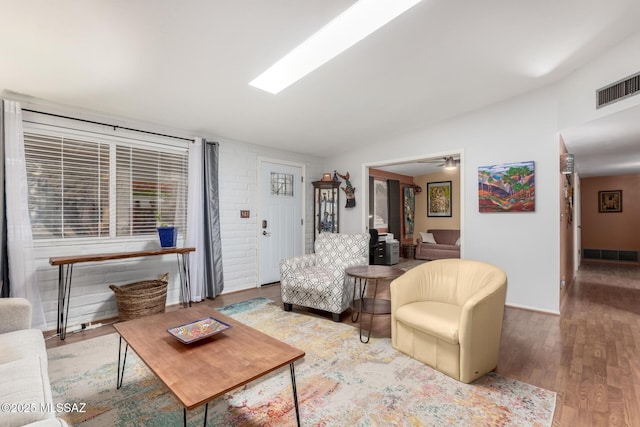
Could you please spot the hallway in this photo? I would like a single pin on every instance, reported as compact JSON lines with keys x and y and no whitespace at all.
{"x":589,"y":355}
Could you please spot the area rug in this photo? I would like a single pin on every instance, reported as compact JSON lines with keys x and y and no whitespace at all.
{"x":340,"y":382}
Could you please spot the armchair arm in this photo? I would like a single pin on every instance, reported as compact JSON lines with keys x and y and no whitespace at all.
{"x":355,"y":261}
{"x":339,"y":269}
{"x":480,"y":330}
{"x":15,"y":314}
{"x":291,"y":264}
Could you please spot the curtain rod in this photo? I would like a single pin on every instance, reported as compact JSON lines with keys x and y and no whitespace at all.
{"x":107,"y":124}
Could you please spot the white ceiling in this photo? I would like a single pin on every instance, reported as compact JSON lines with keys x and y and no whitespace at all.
{"x":186,"y":65}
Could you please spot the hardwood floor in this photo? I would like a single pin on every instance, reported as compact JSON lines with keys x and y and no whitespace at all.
{"x":589,"y":354}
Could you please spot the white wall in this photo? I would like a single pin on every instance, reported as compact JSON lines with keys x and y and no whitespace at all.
{"x":239,"y":190}
{"x":578,"y":91}
{"x":525,"y":245}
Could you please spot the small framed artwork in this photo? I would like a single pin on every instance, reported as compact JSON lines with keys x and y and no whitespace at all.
{"x":439,"y":199}
{"x":610,"y":201}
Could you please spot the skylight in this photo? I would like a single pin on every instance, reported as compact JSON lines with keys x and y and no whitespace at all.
{"x":353,"y":25}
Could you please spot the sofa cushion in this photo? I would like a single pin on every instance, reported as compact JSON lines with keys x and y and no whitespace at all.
{"x":19,"y":344}
{"x":427,"y":238}
{"x":445,"y":236}
{"x":25,"y":386}
{"x":439,"y":319}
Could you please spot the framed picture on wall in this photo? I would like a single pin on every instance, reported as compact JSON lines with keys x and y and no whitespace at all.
{"x":439,"y":199}
{"x":610,"y":201}
{"x":508,"y":187}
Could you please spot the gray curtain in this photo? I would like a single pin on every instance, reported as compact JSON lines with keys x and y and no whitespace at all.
{"x":213,"y":277}
{"x":4,"y":259}
{"x":394,"y":208}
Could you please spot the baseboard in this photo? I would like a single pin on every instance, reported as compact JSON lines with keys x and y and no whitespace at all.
{"x":536,"y":310}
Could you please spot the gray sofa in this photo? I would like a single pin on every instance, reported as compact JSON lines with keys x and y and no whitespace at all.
{"x":444,"y":246}
{"x":25,"y":393}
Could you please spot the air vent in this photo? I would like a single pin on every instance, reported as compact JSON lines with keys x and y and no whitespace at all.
{"x":618,"y":90}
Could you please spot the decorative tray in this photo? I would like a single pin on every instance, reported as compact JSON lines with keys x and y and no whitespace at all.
{"x":197,"y":330}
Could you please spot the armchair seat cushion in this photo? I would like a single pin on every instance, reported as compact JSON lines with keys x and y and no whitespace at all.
{"x":434,"y":318}
{"x":311,"y":277}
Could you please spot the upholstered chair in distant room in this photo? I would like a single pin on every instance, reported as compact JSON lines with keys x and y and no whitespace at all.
{"x":448,"y":314}
{"x":318,"y":280}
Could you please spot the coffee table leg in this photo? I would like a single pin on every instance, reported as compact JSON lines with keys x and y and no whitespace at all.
{"x":295,"y":392}
{"x":124,"y":361}
{"x":206,"y":412}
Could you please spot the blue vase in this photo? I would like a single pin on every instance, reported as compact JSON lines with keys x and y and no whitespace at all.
{"x":168,"y":236}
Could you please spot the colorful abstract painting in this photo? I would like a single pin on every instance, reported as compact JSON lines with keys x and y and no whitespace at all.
{"x":508,"y":187}
{"x":409,"y":209}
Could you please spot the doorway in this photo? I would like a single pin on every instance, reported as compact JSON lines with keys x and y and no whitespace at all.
{"x":280,"y":216}
{"x":427,"y":168}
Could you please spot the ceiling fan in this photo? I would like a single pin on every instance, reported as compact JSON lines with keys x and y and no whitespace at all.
{"x":448,"y":162}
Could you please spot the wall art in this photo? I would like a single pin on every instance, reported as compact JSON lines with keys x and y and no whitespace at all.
{"x":610,"y":201}
{"x":439,"y":199}
{"x":409,"y":209}
{"x":508,"y":187}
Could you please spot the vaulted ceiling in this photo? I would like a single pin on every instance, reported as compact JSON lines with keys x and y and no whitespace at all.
{"x":186,"y":65}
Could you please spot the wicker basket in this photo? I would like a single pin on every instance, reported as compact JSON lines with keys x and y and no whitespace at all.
{"x":140,"y":299}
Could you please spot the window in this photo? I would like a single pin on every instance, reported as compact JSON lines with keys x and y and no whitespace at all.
{"x":151,"y":187}
{"x":82,"y":186}
{"x":281,"y":184}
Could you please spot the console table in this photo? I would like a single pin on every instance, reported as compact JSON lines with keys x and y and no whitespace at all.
{"x":65,"y":272}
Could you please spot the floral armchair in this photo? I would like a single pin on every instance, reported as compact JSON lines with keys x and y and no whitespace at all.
{"x":318,"y":280}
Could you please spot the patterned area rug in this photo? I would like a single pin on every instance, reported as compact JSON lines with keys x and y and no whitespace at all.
{"x":340,"y":381}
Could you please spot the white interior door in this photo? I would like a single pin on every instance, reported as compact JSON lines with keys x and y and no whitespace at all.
{"x":280,"y":223}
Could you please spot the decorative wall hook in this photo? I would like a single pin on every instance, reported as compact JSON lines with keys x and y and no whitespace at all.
{"x":349,"y":190}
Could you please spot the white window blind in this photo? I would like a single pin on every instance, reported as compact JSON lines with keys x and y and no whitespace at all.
{"x":72,"y":182}
{"x":151,"y":187}
{"x":68,"y":187}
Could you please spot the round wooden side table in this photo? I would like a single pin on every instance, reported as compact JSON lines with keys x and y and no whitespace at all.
{"x":363,"y":274}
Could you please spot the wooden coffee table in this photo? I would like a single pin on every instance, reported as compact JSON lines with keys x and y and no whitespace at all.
{"x":374,"y":305}
{"x":199,"y":372}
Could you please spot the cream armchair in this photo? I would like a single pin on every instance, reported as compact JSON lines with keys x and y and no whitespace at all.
{"x":448,"y":314}
{"x":318,"y":280}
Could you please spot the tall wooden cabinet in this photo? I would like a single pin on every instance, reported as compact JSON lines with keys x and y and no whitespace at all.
{"x":326,"y":212}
